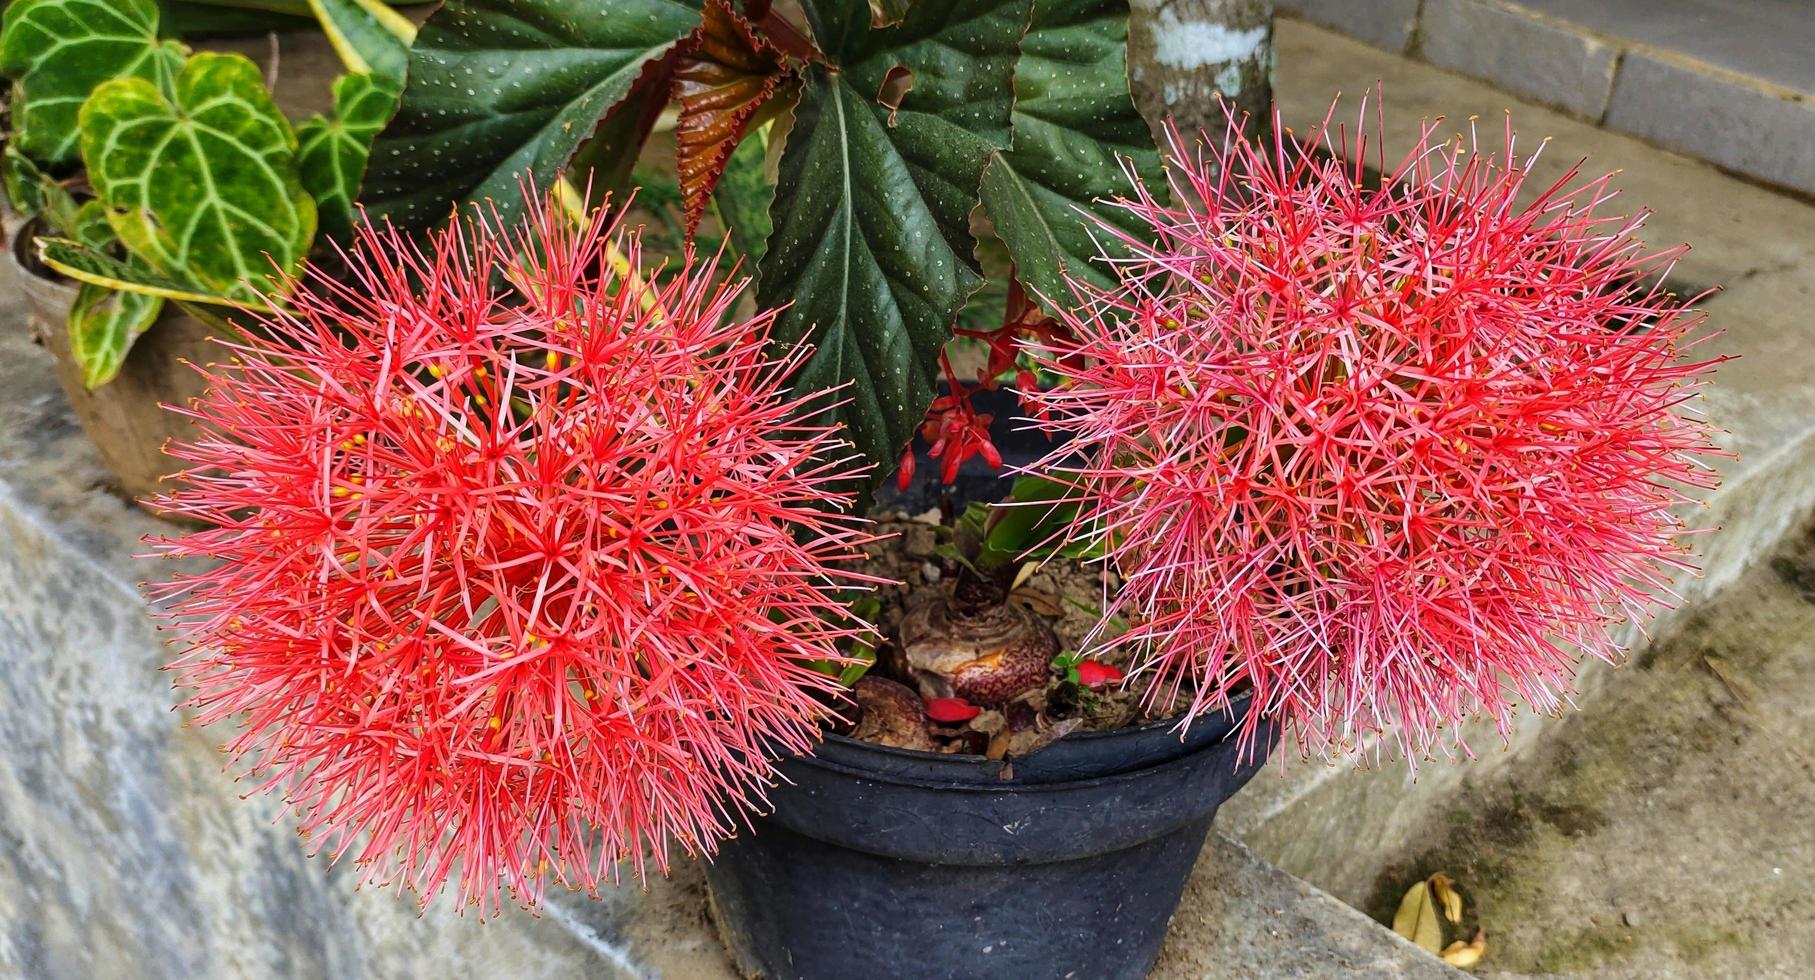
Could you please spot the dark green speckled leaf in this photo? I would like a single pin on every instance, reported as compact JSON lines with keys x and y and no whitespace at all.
{"x":871,"y":243}
{"x":500,"y":90}
{"x":1074,"y":121}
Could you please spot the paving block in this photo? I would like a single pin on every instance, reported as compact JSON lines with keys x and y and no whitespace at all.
{"x":1522,"y":54}
{"x":1761,"y":131}
{"x":1385,"y":24}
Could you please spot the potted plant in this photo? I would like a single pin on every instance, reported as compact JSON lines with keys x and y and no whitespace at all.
{"x":157,"y":190}
{"x":531,"y":562}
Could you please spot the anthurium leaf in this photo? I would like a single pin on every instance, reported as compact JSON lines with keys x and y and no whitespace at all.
{"x":91,"y":227}
{"x":1074,"y":120}
{"x":32,"y":192}
{"x":331,"y":151}
{"x":369,"y":37}
{"x":103,"y":323}
{"x":871,"y":243}
{"x":89,"y":265}
{"x":501,"y":92}
{"x":57,"y":51}
{"x":724,"y":77}
{"x":202,"y":186}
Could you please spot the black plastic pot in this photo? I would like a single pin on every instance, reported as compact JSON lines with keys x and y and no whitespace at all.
{"x":882,"y":863}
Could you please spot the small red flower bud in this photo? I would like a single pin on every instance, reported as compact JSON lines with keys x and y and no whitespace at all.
{"x":1096,"y":675}
{"x":951,"y":711}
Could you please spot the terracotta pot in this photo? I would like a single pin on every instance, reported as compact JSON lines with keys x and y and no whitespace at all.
{"x":123,"y":418}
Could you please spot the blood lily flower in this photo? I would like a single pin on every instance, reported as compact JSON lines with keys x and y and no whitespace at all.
{"x":1389,"y":454}
{"x":520,"y":562}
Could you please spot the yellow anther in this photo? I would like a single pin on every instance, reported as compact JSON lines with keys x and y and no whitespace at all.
{"x":341,"y":491}
{"x":553,"y":360}
{"x":496,"y":723}
{"x":435,"y":371}
{"x":479,"y":372}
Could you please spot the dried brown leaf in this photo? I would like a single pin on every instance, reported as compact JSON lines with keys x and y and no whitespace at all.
{"x":1448,"y":898}
{"x":895,"y":87}
{"x":1416,"y":919}
{"x":1040,"y":601}
{"x":1461,"y":954}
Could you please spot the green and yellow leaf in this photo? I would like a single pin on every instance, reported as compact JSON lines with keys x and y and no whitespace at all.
{"x":201,"y":185}
{"x":103,"y":323}
{"x":331,"y":151}
{"x":59,"y":51}
{"x":89,"y":265}
{"x":369,"y":37}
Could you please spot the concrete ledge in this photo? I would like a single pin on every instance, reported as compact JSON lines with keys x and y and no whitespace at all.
{"x":1763,"y":133}
{"x":1388,"y":24}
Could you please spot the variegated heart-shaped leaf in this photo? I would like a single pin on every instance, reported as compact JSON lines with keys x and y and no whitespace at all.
{"x":201,"y":185}
{"x":331,"y":151}
{"x":103,"y":323}
{"x":58,"y":51}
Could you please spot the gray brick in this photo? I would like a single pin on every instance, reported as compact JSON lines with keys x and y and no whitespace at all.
{"x":1507,"y":46}
{"x":1761,"y":132}
{"x":1383,"y":23}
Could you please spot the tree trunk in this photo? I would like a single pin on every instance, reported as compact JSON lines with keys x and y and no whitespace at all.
{"x":1183,"y":54}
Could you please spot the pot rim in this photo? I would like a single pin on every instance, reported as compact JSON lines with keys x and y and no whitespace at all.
{"x":1010,"y":786}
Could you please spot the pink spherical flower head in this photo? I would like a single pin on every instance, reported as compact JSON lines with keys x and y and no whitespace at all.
{"x":519,"y":560}
{"x":1390,"y":454}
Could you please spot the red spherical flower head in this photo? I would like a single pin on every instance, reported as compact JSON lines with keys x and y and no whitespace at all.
{"x":520,"y":560}
{"x":1390,"y":454}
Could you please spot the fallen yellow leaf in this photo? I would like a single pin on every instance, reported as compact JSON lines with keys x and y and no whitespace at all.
{"x":1460,"y":953}
{"x":1417,"y":918}
{"x":1448,"y":897}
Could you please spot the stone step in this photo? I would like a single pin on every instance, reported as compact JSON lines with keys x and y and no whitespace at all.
{"x":1729,"y":81}
{"x":1340,"y":829}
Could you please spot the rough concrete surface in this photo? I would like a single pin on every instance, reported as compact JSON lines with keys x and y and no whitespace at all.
{"x":1669,"y":831}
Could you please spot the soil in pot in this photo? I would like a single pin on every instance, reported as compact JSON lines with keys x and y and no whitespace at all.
{"x":1064,"y":595}
{"x":123,"y":418}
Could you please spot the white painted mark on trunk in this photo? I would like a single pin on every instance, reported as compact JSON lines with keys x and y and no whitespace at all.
{"x":1190,"y":44}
